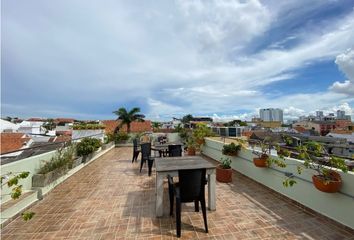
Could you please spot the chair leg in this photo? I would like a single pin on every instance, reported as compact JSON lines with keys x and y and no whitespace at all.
{"x":196,"y":205}
{"x":178,"y":217}
{"x":134,"y":156}
{"x":171,"y":196}
{"x":202,"y":203}
{"x":150,"y":163}
{"x":141,"y":164}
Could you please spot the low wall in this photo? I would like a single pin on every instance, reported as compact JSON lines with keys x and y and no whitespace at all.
{"x":337,"y":206}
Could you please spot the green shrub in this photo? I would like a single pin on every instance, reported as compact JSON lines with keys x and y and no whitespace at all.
{"x":121,"y":136}
{"x":109,"y":138}
{"x":90,"y":126}
{"x":231,"y":149}
{"x":63,"y":157}
{"x":87,"y":146}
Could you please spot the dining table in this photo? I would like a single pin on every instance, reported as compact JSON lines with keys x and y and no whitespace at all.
{"x":162,"y":148}
{"x":171,"y":165}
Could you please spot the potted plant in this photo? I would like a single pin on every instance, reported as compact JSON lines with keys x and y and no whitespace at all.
{"x":263,"y":155}
{"x":200,"y":132}
{"x":231,"y":149}
{"x":316,"y":158}
{"x":53,"y":169}
{"x":224,"y":171}
{"x":191,"y":146}
{"x":86,"y":147}
{"x":121,"y":138}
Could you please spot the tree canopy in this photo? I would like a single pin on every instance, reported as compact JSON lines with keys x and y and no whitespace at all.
{"x":128,"y":117}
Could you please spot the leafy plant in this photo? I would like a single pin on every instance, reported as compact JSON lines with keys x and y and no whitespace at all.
{"x":191,"y":142}
{"x":63,"y":157}
{"x":12,"y":180}
{"x":121,"y":136}
{"x":225,"y":163}
{"x":87,"y":146}
{"x":202,"y":131}
{"x":128,"y":117}
{"x":88,"y":126}
{"x":316,"y":158}
{"x":231,"y":149}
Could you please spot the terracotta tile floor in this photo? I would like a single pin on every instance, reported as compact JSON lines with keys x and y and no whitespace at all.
{"x":110,"y":199}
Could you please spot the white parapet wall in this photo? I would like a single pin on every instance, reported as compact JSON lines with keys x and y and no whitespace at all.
{"x":337,"y":206}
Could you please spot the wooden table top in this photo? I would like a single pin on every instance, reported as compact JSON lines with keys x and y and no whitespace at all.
{"x":182,"y":163}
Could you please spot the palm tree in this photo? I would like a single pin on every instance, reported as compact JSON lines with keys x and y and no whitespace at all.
{"x":129,"y":117}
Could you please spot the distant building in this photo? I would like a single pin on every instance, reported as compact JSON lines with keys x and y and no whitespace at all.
{"x":321,"y":127}
{"x":32,"y":127}
{"x":6,"y":126}
{"x":271,"y":114}
{"x":340,"y":114}
{"x":113,"y":126}
{"x":14,"y":141}
{"x":319,"y":115}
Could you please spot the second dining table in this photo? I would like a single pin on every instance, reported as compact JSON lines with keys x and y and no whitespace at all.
{"x":171,"y":165}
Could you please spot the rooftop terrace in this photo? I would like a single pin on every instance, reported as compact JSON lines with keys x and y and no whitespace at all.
{"x":110,"y":199}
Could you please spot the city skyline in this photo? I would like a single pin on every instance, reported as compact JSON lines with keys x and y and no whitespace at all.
{"x":213,"y":58}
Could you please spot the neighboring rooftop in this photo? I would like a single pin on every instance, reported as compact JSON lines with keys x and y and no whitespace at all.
{"x":135,"y":127}
{"x":110,"y":199}
{"x":13,"y":141}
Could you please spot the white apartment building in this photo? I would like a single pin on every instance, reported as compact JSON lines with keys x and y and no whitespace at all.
{"x":32,"y":127}
{"x":271,"y":114}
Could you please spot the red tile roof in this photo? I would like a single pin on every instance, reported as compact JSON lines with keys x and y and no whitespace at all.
{"x":64,"y":120}
{"x":61,"y":138}
{"x":36,"y":120}
{"x":110,"y":125}
{"x":300,"y":129}
{"x":135,"y":127}
{"x":12,"y":141}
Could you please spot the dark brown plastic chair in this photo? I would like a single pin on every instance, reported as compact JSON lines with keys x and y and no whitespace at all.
{"x":136,"y":151}
{"x":146,"y":156}
{"x":190,"y":188}
{"x":174,"y":150}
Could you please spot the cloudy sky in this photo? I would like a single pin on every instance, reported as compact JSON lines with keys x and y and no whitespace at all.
{"x":226,"y":59}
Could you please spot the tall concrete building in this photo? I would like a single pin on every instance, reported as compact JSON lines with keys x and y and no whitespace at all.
{"x":340,"y":114}
{"x":319,"y":114}
{"x":271,"y":114}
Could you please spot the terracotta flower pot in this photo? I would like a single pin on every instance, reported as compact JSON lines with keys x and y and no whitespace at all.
{"x":330,"y":186}
{"x":191,"y":151}
{"x":200,"y":141}
{"x":261,"y":161}
{"x":223,"y":175}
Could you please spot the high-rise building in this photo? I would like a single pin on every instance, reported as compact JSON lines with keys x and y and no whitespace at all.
{"x":340,"y":114}
{"x":271,"y":114}
{"x":319,"y":115}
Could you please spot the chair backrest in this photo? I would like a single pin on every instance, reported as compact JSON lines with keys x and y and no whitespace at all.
{"x":191,"y":184}
{"x":174,"y":150}
{"x":145,"y":150}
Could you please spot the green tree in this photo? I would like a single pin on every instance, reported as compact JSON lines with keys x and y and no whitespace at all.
{"x":49,"y":125}
{"x":128,"y":117}
{"x":187,"y":118}
{"x":156,"y":125}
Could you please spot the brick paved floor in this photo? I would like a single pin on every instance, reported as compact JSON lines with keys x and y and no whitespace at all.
{"x":110,"y":199}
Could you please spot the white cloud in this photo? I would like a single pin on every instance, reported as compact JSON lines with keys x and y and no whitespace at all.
{"x":345,"y":62}
{"x":175,"y":57}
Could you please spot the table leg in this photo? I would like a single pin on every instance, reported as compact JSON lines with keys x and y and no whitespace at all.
{"x":159,"y":194}
{"x":211,"y":191}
